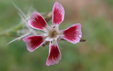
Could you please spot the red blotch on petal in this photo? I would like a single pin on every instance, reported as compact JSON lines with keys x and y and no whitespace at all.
{"x":37,"y":21}
{"x":73,"y":34}
{"x":57,"y":16}
{"x":54,"y":55}
{"x":58,"y":13}
{"x":33,"y":42}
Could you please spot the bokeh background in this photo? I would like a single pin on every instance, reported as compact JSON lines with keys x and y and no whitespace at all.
{"x":96,"y":54}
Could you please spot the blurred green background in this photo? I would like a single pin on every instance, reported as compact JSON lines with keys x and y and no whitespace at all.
{"x":96,"y":54}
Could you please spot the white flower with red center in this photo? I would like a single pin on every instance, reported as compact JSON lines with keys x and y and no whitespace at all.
{"x":73,"y":34}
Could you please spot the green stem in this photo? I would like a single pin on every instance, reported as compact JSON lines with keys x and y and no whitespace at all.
{"x":13,"y":31}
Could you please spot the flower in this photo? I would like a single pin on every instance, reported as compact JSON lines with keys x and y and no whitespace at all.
{"x":73,"y":34}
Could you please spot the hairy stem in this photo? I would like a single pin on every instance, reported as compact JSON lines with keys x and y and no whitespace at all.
{"x":47,"y":42}
{"x":13,"y":31}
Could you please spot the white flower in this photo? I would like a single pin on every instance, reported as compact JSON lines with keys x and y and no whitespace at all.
{"x":36,"y":21}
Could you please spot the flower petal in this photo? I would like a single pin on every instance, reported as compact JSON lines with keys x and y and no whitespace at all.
{"x":36,"y":21}
{"x":33,"y":42}
{"x":73,"y":33}
{"x":58,"y":13}
{"x":54,"y":54}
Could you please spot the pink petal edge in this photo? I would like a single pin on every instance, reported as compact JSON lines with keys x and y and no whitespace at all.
{"x":54,"y":54}
{"x":36,"y":21}
{"x":33,"y":42}
{"x":57,"y":13}
{"x":73,"y":34}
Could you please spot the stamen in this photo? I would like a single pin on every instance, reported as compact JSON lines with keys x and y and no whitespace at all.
{"x":52,"y":33}
{"x":53,"y":26}
{"x":51,"y":41}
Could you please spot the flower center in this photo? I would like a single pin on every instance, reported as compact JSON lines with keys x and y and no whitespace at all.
{"x":52,"y":33}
